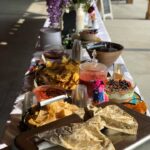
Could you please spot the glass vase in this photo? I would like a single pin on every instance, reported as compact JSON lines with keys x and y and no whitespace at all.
{"x":80,"y":16}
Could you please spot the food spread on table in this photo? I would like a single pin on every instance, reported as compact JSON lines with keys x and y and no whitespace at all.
{"x":88,"y":135}
{"x":59,"y":73}
{"x":56,"y":73}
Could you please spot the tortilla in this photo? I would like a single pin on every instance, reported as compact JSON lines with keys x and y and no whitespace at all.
{"x":118,"y":119}
{"x":83,"y":136}
{"x":88,"y":135}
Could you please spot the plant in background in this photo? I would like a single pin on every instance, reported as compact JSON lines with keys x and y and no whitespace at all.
{"x":56,"y":8}
{"x":55,"y":11}
{"x":87,"y":3}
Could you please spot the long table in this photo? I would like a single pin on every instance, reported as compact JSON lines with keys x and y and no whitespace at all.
{"x":11,"y":128}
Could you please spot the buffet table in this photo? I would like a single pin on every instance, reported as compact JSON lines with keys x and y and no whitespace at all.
{"x":11,"y":129}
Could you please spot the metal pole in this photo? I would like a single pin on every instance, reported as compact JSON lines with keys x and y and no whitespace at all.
{"x":148,"y":11}
{"x":129,"y":1}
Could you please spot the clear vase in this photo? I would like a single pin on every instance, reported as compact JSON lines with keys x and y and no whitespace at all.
{"x":56,"y":25}
{"x":80,"y":16}
{"x":59,"y":25}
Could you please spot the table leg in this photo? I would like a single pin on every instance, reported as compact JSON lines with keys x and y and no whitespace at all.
{"x":129,"y":1}
{"x":98,"y":3}
{"x":148,"y":11}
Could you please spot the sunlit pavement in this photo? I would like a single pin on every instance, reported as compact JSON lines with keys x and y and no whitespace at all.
{"x":130,"y":29}
{"x":20,"y":22}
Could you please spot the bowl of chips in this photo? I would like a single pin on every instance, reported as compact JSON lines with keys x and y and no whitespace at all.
{"x":37,"y":115}
{"x":64,"y":74}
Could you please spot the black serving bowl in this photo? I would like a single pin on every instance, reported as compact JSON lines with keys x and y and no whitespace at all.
{"x":106,"y":52}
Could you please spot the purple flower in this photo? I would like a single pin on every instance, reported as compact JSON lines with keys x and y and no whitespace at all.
{"x":55,"y":8}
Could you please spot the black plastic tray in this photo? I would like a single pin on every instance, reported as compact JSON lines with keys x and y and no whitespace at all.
{"x":26,"y":139}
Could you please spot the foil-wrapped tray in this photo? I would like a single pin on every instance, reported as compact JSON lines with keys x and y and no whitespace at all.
{"x":27,"y":140}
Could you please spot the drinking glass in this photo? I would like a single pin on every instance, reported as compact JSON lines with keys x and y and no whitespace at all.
{"x":28,"y":101}
{"x":80,"y":96}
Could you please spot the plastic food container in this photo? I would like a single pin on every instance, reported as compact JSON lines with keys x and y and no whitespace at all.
{"x":90,"y":72}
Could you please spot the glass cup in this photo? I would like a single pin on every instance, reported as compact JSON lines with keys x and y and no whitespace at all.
{"x":28,"y":102}
{"x":80,"y":96}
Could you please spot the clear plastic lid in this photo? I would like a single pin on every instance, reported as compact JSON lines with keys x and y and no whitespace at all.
{"x":93,"y":66}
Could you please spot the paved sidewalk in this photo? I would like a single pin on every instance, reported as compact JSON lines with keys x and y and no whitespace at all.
{"x":20,"y":21}
{"x":130,"y":29}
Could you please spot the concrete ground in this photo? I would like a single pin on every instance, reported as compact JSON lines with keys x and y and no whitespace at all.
{"x":20,"y":21}
{"x":130,"y":29}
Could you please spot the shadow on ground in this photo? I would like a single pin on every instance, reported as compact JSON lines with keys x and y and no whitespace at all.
{"x":17,"y":43}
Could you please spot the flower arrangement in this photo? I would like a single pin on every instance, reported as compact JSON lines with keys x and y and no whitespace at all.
{"x":56,"y":9}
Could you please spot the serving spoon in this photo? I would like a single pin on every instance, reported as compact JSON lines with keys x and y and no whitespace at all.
{"x":30,"y":100}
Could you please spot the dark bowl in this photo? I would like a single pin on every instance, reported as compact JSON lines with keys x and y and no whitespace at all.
{"x":107,"y":52}
{"x":54,"y":54}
